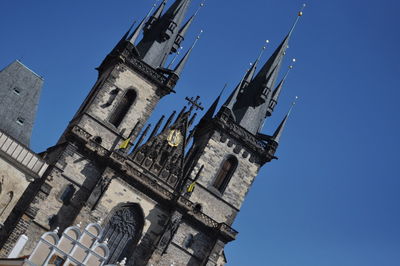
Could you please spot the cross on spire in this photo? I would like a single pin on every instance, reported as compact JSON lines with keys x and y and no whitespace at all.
{"x":194,"y":103}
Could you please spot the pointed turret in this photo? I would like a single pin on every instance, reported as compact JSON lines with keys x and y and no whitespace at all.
{"x":181,"y":65}
{"x":157,"y":42}
{"x":119,"y":45}
{"x":247,"y":78}
{"x":135,"y":34}
{"x":275,"y":94}
{"x":278,"y":132}
{"x":211,"y":111}
{"x":156,"y":15}
{"x":252,"y":104}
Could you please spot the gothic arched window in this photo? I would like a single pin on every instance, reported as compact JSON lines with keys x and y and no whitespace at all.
{"x":123,"y":231}
{"x":225,"y":173}
{"x":122,"y":108}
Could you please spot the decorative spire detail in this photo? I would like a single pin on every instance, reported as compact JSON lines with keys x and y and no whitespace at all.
{"x":156,"y":15}
{"x":247,"y":78}
{"x":159,"y":39}
{"x":278,"y":132}
{"x":275,"y":94}
{"x":210,"y":112}
{"x":181,"y":65}
{"x":182,"y":32}
{"x":133,"y":37}
{"x":252,"y":104}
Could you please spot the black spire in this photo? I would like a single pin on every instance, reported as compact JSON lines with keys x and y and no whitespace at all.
{"x":181,"y":65}
{"x":210,"y":112}
{"x":160,"y":36}
{"x":251,"y":106}
{"x":276,"y":93}
{"x":156,"y":15}
{"x":182,"y":32}
{"x":248,"y":76}
{"x":278,"y":132}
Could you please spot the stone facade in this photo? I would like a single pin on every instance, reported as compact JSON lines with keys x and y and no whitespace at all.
{"x":157,"y":203}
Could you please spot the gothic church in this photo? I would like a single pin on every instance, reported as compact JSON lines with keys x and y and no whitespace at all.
{"x":166,"y":195}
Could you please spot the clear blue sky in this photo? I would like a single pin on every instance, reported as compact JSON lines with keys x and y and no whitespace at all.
{"x":332,"y":199}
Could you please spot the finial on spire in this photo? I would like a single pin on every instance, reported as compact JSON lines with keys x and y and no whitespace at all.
{"x":276,"y":93}
{"x":262,"y":50}
{"x":299,"y":14}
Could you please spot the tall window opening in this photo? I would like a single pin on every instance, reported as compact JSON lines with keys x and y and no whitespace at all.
{"x":67,"y":194}
{"x":123,"y":231}
{"x":225,"y":173}
{"x":122,"y":108}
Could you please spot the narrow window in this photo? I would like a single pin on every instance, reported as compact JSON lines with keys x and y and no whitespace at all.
{"x":188,"y":241}
{"x":122,"y":108}
{"x":17,"y":91}
{"x":66,"y":196}
{"x":225,"y":173}
{"x":20,"y":121}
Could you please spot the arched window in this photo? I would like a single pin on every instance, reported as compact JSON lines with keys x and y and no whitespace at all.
{"x":67,"y":194}
{"x":123,"y":231}
{"x":225,"y":173}
{"x":122,"y":108}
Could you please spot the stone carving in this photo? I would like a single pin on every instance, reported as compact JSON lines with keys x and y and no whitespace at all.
{"x":123,"y":221}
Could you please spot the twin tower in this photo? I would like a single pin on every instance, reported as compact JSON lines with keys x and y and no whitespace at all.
{"x":166,"y":195}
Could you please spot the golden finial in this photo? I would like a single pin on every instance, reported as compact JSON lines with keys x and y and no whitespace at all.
{"x":301,"y":11}
{"x":299,"y":14}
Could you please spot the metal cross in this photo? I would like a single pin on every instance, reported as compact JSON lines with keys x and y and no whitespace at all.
{"x":194,"y":103}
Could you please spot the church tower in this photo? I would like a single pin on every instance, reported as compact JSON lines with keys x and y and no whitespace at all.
{"x":158,"y":203}
{"x":133,"y":78}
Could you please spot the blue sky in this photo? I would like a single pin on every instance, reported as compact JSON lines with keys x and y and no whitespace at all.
{"x":332,"y":198}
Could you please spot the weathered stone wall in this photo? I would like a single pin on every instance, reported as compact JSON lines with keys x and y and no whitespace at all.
{"x":189,"y":246}
{"x":118,"y":191}
{"x":47,"y":210}
{"x":13,"y":184}
{"x":108,"y":96}
{"x":223,"y":207}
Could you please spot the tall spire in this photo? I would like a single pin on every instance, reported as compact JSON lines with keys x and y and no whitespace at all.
{"x":278,"y":132}
{"x":159,"y":39}
{"x":252,"y":103}
{"x":250,"y":74}
{"x":135,"y":34}
{"x":276,"y":93}
{"x":265,"y":79}
{"x":181,"y":65}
